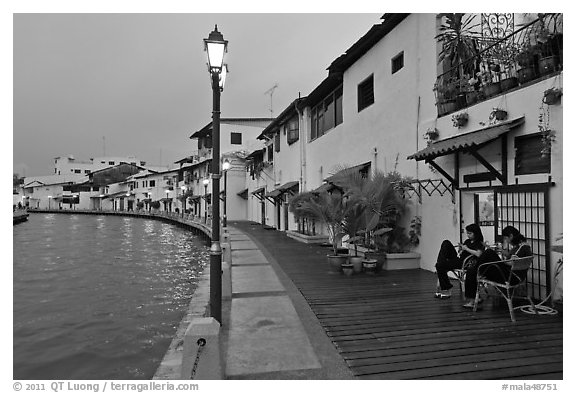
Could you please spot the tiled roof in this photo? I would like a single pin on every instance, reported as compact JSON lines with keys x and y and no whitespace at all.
{"x":465,"y":141}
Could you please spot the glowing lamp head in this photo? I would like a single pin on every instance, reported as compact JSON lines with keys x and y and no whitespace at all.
{"x":215,"y":46}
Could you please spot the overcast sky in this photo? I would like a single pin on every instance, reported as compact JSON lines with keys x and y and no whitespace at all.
{"x":137,"y":84}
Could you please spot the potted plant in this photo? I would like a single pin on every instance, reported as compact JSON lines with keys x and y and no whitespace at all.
{"x":431,"y":135}
{"x":490,"y":86}
{"x":498,"y":114}
{"x":445,"y":97}
{"x":526,"y":60}
{"x":552,"y":96}
{"x":354,"y":225}
{"x":331,"y":210}
{"x":459,"y":42}
{"x":459,"y":120}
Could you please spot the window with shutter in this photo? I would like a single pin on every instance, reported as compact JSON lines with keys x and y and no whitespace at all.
{"x":529,"y":158}
{"x":366,"y":93}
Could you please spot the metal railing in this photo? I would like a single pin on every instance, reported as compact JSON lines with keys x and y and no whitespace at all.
{"x":528,"y":54}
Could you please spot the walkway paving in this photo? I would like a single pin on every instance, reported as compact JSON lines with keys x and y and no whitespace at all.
{"x":384,"y":327}
{"x":272,"y":332}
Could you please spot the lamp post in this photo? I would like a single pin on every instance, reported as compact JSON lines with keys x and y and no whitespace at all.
{"x":49,"y":198}
{"x":205,"y":182}
{"x":166,"y":201}
{"x":215,"y":46}
{"x":183,"y":188}
{"x":225,"y":168}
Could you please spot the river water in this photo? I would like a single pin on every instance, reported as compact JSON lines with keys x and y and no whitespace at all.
{"x":99,"y":297}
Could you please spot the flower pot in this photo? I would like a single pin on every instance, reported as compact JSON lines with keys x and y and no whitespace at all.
{"x":491,"y":89}
{"x":357,"y":264}
{"x":526,"y":74}
{"x":336,"y":261}
{"x":369,"y":266}
{"x":471,"y":97}
{"x":348,"y":269}
{"x":460,"y":121}
{"x":461,"y":101}
{"x":499,"y":114}
{"x":547,"y":65}
{"x":552,"y":97}
{"x":446,"y":107}
{"x":508,"y":83}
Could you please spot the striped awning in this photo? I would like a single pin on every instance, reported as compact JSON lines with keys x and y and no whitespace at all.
{"x":465,"y":141}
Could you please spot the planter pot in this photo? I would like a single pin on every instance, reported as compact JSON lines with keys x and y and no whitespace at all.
{"x":552,"y":97}
{"x":308,"y":239}
{"x":461,"y":101}
{"x":491,"y":89}
{"x":526,"y":74}
{"x":508,"y":83}
{"x":499,"y":115}
{"x":446,"y":107}
{"x":547,"y":65}
{"x":336,"y":261}
{"x":472,"y":97}
{"x":369,"y":266}
{"x":401,"y":261}
{"x":348,"y":269}
{"x":460,"y":122}
{"x":379,"y":257}
{"x":357,"y":264}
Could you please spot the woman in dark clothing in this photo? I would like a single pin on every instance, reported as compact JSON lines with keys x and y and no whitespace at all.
{"x":516,"y":248}
{"x":449,"y":260}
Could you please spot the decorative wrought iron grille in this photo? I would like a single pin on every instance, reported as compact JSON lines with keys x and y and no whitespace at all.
{"x":528,"y":212}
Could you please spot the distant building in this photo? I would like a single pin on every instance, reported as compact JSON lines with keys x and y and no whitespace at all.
{"x":68,"y":164}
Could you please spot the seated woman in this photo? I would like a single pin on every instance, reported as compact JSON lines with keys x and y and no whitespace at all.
{"x":449,"y":260}
{"x":516,"y":247}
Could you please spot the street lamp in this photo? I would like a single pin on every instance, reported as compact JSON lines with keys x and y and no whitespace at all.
{"x":205,"y":182}
{"x":225,"y":168}
{"x":183,"y":188}
{"x":216,"y":46}
{"x":166,"y":200}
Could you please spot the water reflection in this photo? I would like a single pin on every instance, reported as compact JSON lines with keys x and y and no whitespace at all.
{"x":99,"y":297}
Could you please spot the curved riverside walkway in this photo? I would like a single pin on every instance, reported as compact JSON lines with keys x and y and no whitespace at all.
{"x":387,"y":326}
{"x":289,"y":317}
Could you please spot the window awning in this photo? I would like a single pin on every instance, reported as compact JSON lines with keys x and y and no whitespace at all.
{"x":258,"y":191}
{"x":336,"y":178}
{"x":463,"y":142}
{"x":243,"y":194}
{"x":274,"y":193}
{"x":286,"y":187}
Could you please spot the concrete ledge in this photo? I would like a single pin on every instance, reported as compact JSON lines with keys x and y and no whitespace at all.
{"x":171,"y":365}
{"x":309,"y":239}
{"x":400,"y":261}
{"x":201,"y":355}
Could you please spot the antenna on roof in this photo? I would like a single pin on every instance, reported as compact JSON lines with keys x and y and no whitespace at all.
{"x":271,"y":92}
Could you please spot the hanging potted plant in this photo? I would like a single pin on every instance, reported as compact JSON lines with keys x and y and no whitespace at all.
{"x":459,"y":120}
{"x":552,"y":96}
{"x":431,"y":135}
{"x":548,"y":136}
{"x":498,"y":114}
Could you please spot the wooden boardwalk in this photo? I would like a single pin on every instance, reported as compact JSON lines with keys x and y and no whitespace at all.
{"x":390,"y":326}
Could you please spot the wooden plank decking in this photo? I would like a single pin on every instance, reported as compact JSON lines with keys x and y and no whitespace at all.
{"x":390,"y":326}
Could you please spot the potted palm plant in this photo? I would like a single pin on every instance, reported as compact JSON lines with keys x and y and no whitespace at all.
{"x":331,"y":210}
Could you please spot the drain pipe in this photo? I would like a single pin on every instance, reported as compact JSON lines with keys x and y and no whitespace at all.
{"x":302,"y":145}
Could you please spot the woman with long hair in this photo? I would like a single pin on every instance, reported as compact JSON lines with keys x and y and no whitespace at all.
{"x":515,"y":246}
{"x":448,"y":259}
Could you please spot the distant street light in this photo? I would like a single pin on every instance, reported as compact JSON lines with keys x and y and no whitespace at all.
{"x":215,"y":47}
{"x":183,"y":188}
{"x":49,"y":199}
{"x":205,"y":182}
{"x":225,"y":168}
